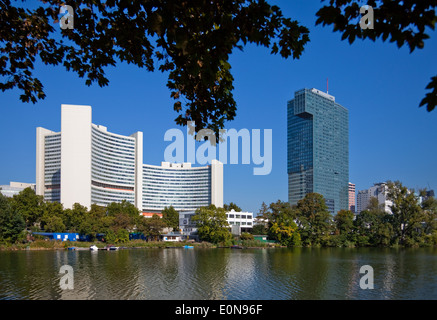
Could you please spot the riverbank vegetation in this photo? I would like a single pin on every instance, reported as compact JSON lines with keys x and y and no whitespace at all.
{"x":411,"y":222}
{"x":26,"y":213}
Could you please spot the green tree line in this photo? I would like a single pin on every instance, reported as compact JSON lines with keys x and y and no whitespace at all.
{"x":412,"y":222}
{"x":27,"y":211}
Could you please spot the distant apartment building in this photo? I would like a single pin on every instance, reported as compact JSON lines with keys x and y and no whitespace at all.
{"x":318,"y":148}
{"x":85,"y":163}
{"x":13,"y":188}
{"x":378,"y":191}
{"x":352,"y":205}
{"x":242,"y":219}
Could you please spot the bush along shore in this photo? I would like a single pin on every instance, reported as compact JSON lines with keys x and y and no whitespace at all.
{"x":411,"y":222}
{"x":41,"y":244}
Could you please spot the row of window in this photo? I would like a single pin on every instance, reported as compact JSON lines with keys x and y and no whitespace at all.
{"x":113,"y":171}
{"x":112,"y":148}
{"x":238,"y":216}
{"x":105,"y":185}
{"x":109,"y":141}
{"x":242,"y":223}
{"x":112,"y":153}
{"x":110,"y":159}
{"x":114,"y":138}
{"x":175,"y":170}
{"x":112,"y":164}
{"x":178,"y":175}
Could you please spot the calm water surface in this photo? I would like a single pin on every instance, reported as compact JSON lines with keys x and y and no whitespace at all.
{"x":278,"y":274}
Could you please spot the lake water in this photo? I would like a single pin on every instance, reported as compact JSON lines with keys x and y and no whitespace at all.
{"x":220,"y":274}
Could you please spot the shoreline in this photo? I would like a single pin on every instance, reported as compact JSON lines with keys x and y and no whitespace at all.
{"x":41,"y":245}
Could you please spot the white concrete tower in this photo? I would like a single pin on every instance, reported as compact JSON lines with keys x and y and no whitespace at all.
{"x":75,"y":155}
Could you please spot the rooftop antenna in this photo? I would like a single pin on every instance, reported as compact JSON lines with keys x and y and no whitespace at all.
{"x":327,"y":85}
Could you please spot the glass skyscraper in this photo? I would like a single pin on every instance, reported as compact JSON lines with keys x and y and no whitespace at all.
{"x":318,"y":148}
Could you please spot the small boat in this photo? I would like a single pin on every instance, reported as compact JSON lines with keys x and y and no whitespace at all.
{"x":94,"y":248}
{"x":111,"y":248}
{"x":188,"y":247}
{"x":236,"y":247}
{"x":72,"y":248}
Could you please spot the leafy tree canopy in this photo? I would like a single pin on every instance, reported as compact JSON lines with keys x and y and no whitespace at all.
{"x":12,"y":224}
{"x":190,"y":40}
{"x":402,"y":22}
{"x":212,"y":224}
{"x":313,"y":219}
{"x":232,"y":206}
{"x":171,"y":217}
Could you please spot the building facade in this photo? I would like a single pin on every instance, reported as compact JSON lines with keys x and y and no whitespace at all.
{"x":14,"y":188}
{"x":182,"y":186}
{"x":352,"y":205}
{"x":378,"y":191}
{"x":240,"y":218}
{"x":318,"y":148}
{"x":87,"y":164}
{"x":242,"y":221}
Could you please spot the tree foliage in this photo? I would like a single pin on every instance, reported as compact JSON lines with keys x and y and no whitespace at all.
{"x":231,"y":206}
{"x":12,"y":223}
{"x":402,"y":22}
{"x":314,"y":219}
{"x":411,"y":222}
{"x":28,"y":205}
{"x":212,"y":224}
{"x":189,"y":40}
{"x":373,"y":226}
{"x":171,"y":217}
{"x":152,"y":227}
{"x":407,"y":215}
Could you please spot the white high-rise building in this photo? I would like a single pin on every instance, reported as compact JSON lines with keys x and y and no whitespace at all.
{"x":87,"y":164}
{"x":378,"y":191}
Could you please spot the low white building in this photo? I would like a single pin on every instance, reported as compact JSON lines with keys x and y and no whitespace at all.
{"x":242,"y":219}
{"x":15,"y":188}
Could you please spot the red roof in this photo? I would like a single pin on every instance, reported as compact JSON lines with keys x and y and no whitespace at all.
{"x":150,"y":214}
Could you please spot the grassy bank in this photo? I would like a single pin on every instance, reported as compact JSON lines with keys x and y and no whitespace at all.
{"x":62,"y":245}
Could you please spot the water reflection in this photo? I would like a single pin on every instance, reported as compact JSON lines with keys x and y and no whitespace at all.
{"x":299,"y":273}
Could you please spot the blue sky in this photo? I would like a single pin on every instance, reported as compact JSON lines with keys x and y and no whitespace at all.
{"x":381,"y":86}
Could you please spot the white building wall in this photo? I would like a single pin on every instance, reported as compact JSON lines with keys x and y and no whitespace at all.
{"x":76,"y":155}
{"x":40,"y":159}
{"x":138,"y":169}
{"x":242,"y":219}
{"x":217,"y":183}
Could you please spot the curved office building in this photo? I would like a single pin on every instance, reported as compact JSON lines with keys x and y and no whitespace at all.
{"x":86,"y":164}
{"x":178,"y":185}
{"x":112,"y":167}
